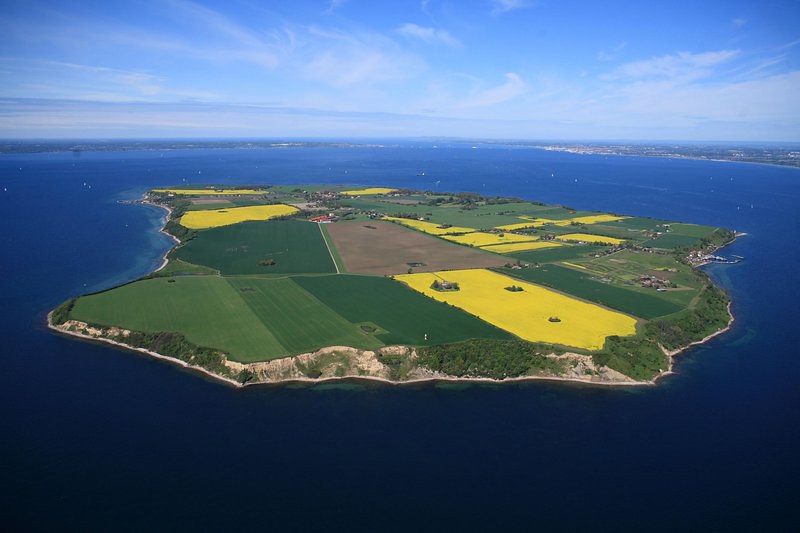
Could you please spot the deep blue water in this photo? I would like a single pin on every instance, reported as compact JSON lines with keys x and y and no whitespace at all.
{"x":99,"y":439}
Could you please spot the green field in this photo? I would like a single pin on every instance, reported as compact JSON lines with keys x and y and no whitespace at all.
{"x":480,"y":216}
{"x":233,"y":202}
{"x":562,"y":253}
{"x":638,"y":223}
{"x":583,"y":286}
{"x":204,"y":308}
{"x":625,"y":267}
{"x":669,"y":241}
{"x":406,"y":315}
{"x":295,"y":246}
{"x":252,"y":319}
{"x":298,"y":320}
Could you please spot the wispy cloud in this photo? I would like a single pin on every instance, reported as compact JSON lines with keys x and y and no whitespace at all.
{"x":503,"y":6}
{"x":739,"y":22}
{"x":428,"y":35}
{"x":333,"y":5}
{"x":345,"y":58}
{"x":683,"y":65}
{"x":513,"y":87}
{"x":245,"y":45}
{"x":608,"y":55}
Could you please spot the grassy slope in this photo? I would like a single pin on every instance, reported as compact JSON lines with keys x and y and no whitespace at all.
{"x":208,"y":310}
{"x":581,"y":285}
{"x":299,"y":321}
{"x":405,"y":314}
{"x":295,"y":246}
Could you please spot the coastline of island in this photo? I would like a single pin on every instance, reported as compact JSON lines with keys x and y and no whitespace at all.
{"x":579,"y":367}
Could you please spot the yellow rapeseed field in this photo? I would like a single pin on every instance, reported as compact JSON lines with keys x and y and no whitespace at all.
{"x":369,"y":191}
{"x":429,"y":227}
{"x":205,"y":192}
{"x":586,"y":237}
{"x":574,"y":265}
{"x":525,"y":313}
{"x":596,"y":219}
{"x":521,"y":246}
{"x":539,"y":222}
{"x":480,"y":238}
{"x":213,"y":218}
{"x":535,"y":223}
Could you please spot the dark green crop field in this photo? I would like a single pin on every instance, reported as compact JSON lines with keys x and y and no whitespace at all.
{"x":299,"y":321}
{"x":294,"y":246}
{"x":562,"y":253}
{"x":405,"y":314}
{"x":581,"y":285}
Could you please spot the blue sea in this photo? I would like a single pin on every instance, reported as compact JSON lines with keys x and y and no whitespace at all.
{"x":99,"y":439}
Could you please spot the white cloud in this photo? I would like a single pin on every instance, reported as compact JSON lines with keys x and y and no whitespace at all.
{"x":503,"y":6}
{"x":429,"y":35}
{"x":608,"y":55}
{"x":739,"y":22}
{"x":333,"y":5}
{"x":240,"y":43}
{"x":683,"y":65}
{"x":513,"y":87}
{"x":348,"y":59}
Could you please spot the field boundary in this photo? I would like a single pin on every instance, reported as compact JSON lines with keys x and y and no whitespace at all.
{"x":334,"y":257}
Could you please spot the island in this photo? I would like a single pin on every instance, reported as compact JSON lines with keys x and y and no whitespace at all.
{"x":276,"y":283}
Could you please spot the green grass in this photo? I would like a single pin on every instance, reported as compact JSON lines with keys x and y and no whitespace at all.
{"x":206,"y":309}
{"x":406,"y":315}
{"x":295,"y":246}
{"x":669,"y":241}
{"x":562,"y":253}
{"x":176,"y":267}
{"x":692,"y":230}
{"x":638,"y":223}
{"x":581,"y":285}
{"x":332,"y":247}
{"x":238,"y":202}
{"x":298,"y":320}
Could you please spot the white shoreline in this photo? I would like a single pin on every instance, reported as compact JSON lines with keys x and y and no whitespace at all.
{"x":164,"y":260}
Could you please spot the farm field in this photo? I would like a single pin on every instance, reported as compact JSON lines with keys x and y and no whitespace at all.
{"x":479,"y":238}
{"x":669,"y":241}
{"x":587,"y":237}
{"x":379,"y":247}
{"x":359,"y":277}
{"x":224,"y":203}
{"x":204,"y":308}
{"x":213,"y":218}
{"x":526,"y":313}
{"x":429,"y":227}
{"x":214,"y":192}
{"x":567,"y":252}
{"x":522,"y":246}
{"x":626,"y":266}
{"x":298,"y":320}
{"x":295,"y":246}
{"x":368,"y":191}
{"x":406,"y":315}
{"x":583,"y":286}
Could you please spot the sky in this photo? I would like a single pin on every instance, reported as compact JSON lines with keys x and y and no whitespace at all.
{"x":506,"y":69}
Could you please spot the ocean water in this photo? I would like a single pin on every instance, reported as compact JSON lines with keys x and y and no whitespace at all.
{"x":98,"y":439}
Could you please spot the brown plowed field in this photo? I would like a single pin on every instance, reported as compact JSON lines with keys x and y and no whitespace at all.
{"x":389,"y":248}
